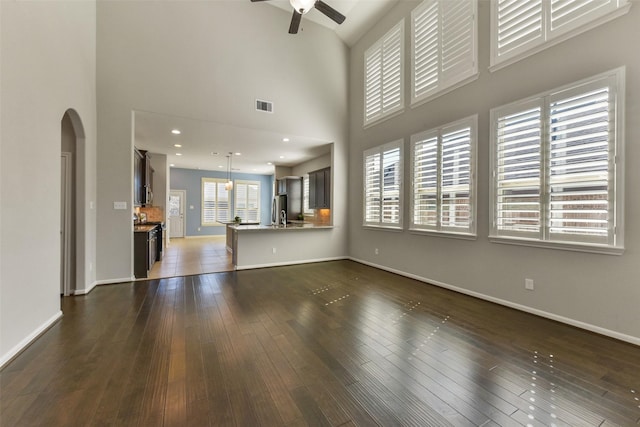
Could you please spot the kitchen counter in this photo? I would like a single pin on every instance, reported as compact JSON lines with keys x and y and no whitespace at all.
{"x":289,"y":227}
{"x":144,"y":228}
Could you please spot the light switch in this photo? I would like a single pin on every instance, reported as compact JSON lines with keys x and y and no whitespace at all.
{"x":120,"y":205}
{"x":191,"y":207}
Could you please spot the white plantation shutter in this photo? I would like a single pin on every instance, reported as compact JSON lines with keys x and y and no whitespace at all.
{"x":247,"y":203}
{"x":517,"y":172}
{"x":518,"y":26}
{"x":443,"y":198}
{"x":383,"y":185}
{"x":521,"y":27}
{"x":557,"y":165}
{"x":444,"y":48}
{"x":215,"y":202}
{"x":455,"y":192}
{"x":391,"y":180}
{"x":566,"y":15}
{"x":425,"y":180}
{"x":580,"y":158}
{"x":384,"y":87}
{"x":372,"y":188}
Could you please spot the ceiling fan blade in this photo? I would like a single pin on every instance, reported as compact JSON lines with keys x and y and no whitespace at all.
{"x":253,"y":1}
{"x":295,"y":22}
{"x":329,"y":11}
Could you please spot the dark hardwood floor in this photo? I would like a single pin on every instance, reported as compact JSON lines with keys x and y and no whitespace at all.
{"x":328,"y":344}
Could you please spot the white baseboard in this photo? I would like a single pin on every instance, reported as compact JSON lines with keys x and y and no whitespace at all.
{"x":114,"y":281}
{"x":85,"y":290}
{"x":205,"y":236}
{"x":280,"y":264}
{"x":11,"y":354}
{"x":578,"y":324}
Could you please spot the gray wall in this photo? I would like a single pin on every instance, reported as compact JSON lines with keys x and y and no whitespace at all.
{"x":600,"y":292}
{"x":48,"y":67}
{"x":191,"y":181}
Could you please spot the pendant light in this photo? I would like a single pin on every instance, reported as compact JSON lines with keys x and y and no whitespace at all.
{"x":229,"y":185}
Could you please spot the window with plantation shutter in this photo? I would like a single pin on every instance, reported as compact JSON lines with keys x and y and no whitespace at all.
{"x":523,"y":27}
{"x":443,"y":46}
{"x":216,"y":206}
{"x":557,"y":166}
{"x":247,"y":200}
{"x":517,"y":170}
{"x":442,"y":177}
{"x":384,"y":88}
{"x":383,"y":186}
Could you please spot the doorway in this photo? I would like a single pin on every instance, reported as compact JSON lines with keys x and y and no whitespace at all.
{"x":176,"y":213}
{"x":72,"y":205}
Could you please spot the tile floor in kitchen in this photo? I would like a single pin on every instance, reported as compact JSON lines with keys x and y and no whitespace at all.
{"x":187,"y":256}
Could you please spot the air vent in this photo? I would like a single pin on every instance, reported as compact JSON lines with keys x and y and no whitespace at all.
{"x":266,"y":106}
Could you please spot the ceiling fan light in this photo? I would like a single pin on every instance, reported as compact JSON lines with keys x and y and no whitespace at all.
{"x":302,"y":6}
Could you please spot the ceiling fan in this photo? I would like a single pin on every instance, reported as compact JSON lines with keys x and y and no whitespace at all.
{"x":300,"y":7}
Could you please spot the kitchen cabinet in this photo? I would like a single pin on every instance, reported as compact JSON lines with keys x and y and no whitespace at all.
{"x":146,"y":249}
{"x":137,"y":177}
{"x":320,"y":189}
{"x":142,"y":178}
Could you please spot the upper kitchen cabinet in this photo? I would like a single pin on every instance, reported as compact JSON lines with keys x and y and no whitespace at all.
{"x":320,"y":189}
{"x":142,"y":178}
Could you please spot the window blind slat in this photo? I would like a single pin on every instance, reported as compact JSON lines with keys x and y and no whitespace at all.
{"x":443,"y":45}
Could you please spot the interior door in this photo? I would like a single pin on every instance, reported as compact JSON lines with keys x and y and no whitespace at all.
{"x":176,"y":213}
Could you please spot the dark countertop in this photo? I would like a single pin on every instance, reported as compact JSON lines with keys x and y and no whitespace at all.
{"x":144,"y":228}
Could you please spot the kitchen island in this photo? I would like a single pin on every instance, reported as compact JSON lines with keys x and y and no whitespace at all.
{"x":256,"y":246}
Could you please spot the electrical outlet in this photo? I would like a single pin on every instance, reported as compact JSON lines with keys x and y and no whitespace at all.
{"x":273,"y":250}
{"x":528,"y":284}
{"x":90,"y":266}
{"x":376,"y":251}
{"x":119,"y":205}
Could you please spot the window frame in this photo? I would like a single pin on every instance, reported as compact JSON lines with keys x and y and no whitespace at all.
{"x":447,"y":81}
{"x":549,"y":36}
{"x":248,"y":183}
{"x":378,"y":48}
{"x":217,"y":221}
{"x":439,"y":229}
{"x":380,"y":151}
{"x":615,"y":80}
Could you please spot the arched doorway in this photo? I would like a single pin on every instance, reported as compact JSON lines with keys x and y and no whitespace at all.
{"x":72,"y":204}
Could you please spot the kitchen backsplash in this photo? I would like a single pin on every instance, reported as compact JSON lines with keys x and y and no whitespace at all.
{"x":154,"y":214}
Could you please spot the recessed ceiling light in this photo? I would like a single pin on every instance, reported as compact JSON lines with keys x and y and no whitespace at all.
{"x":177,"y":145}
{"x":176,"y":131}
{"x":238,"y":154}
{"x":178,"y":154}
{"x":285,"y":139}
{"x":214,"y":153}
{"x":282,"y":157}
{"x":269,"y":163}
{"x":220,"y":166}
{"x":172,"y":165}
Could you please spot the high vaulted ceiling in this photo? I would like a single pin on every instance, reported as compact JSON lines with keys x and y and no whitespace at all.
{"x":360,"y":14}
{"x":205,"y":145}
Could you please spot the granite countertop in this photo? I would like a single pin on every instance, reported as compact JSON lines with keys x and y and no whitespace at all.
{"x":144,"y":228}
{"x":290,"y":227}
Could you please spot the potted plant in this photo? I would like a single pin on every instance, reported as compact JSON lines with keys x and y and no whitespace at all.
{"x":237,"y":220}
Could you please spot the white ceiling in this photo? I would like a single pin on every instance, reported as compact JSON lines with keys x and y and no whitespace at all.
{"x":206,"y":145}
{"x":360,"y":16}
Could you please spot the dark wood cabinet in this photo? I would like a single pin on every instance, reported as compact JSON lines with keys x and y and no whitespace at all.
{"x":320,"y":189}
{"x":145,"y":249}
{"x":137,"y":177}
{"x":142,"y":178}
